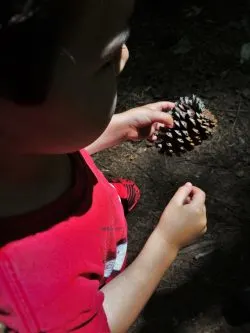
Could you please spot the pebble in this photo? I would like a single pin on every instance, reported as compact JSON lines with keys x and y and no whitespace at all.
{"x":246,"y":93}
{"x":240,"y":173}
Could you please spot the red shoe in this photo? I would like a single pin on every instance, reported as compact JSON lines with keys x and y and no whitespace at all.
{"x":128,"y":191}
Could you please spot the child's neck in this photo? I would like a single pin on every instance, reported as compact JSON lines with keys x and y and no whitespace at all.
{"x":29,"y":182}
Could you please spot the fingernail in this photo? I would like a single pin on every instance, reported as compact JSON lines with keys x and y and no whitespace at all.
{"x":188,"y":184}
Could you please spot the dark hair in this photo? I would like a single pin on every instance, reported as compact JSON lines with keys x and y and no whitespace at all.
{"x":29,"y":47}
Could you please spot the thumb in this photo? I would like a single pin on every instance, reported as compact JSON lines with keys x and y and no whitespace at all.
{"x":182,"y":194}
{"x":160,"y":117}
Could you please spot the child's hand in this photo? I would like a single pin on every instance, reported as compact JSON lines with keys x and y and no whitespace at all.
{"x":135,"y":124}
{"x":142,"y":122}
{"x":184,"y":219}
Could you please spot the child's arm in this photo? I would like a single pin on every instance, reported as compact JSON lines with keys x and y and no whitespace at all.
{"x":133,"y":125}
{"x":183,"y":220}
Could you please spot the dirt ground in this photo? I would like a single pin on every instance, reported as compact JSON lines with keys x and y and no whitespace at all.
{"x":178,"y":49}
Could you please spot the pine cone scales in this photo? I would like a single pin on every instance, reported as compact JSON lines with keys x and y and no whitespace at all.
{"x":193,"y":124}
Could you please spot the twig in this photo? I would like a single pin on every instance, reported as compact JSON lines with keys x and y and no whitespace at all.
{"x":237,"y":115}
{"x":164,"y":288}
{"x":204,"y":254}
{"x":166,"y":161}
{"x":197,"y":246}
{"x":234,"y":110}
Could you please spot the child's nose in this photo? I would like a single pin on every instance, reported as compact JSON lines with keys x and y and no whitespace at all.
{"x":123,"y":58}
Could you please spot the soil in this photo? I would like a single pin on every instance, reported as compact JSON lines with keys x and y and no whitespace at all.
{"x":179,"y":49}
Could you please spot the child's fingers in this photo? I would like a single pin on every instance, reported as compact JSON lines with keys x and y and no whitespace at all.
{"x":187,"y":200}
{"x":158,"y":126}
{"x":162,"y":106}
{"x":152,"y":138}
{"x":198,"y":197}
{"x":157,"y":116}
{"x":182,"y":194}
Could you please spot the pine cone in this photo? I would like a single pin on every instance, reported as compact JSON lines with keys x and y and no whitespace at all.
{"x":193,"y":123}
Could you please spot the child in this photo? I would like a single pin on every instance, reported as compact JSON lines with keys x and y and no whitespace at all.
{"x":64,"y":234}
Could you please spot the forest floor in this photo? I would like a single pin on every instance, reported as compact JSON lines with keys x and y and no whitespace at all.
{"x":175,"y":51}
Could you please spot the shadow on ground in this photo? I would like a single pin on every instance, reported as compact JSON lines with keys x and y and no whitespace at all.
{"x":176,"y":50}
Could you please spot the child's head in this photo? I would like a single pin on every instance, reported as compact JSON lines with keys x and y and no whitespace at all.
{"x":58,"y":62}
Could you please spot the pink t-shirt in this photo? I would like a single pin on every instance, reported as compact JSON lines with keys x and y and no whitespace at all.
{"x":54,"y":261}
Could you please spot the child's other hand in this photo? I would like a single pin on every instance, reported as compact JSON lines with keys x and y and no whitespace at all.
{"x":184,"y":219}
{"x":142,"y":122}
